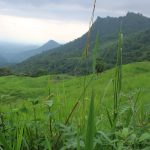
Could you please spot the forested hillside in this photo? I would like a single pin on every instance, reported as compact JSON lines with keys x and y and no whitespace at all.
{"x":68,"y":58}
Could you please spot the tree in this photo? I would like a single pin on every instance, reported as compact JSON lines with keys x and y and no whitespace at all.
{"x":99,"y":65}
{"x":5,"y":72}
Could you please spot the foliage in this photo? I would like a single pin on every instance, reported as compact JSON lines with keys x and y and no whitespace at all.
{"x":5,"y":72}
{"x":99,"y":66}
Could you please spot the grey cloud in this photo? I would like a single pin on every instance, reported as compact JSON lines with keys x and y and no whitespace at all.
{"x":123,"y":6}
{"x":58,"y":9}
{"x":38,"y":3}
{"x":71,"y":9}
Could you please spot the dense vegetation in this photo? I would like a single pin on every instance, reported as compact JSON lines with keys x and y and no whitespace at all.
{"x":34,"y":112}
{"x":68,"y":58}
{"x":5,"y":72}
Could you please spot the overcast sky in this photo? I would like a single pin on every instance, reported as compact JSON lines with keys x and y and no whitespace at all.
{"x":37,"y":21}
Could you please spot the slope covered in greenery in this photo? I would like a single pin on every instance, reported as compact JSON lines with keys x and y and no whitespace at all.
{"x":43,"y":113}
{"x":15,"y":88}
{"x":66,"y":58}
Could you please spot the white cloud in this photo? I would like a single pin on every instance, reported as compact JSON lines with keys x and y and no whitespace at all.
{"x":39,"y":30}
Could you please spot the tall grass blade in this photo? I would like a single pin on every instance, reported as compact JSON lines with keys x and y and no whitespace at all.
{"x":78,"y":140}
{"x":109,"y":117}
{"x":48,"y":143}
{"x":19,"y":137}
{"x":89,"y":143}
{"x":96,"y":47}
{"x":117,"y":83}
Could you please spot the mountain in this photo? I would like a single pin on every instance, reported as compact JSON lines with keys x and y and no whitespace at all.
{"x":66,"y":58}
{"x":26,"y":54}
{"x":15,"y":53}
{"x":47,"y":46}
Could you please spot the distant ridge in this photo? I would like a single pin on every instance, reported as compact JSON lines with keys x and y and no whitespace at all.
{"x":49,"y":45}
{"x":16,"y":53}
{"x":46,"y":47}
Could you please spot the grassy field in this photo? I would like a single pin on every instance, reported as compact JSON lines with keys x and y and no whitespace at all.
{"x":36,"y":110}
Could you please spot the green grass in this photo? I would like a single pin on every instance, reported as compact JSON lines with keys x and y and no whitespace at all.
{"x":65,"y":90}
{"x":24,"y":107}
{"x":21,"y":88}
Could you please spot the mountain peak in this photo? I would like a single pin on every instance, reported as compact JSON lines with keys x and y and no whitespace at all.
{"x":50,"y":45}
{"x":131,"y":23}
{"x":129,"y":14}
{"x":53,"y":41}
{"x":132,"y":14}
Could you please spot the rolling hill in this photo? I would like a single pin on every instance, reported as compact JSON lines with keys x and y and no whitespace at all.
{"x":66,"y":58}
